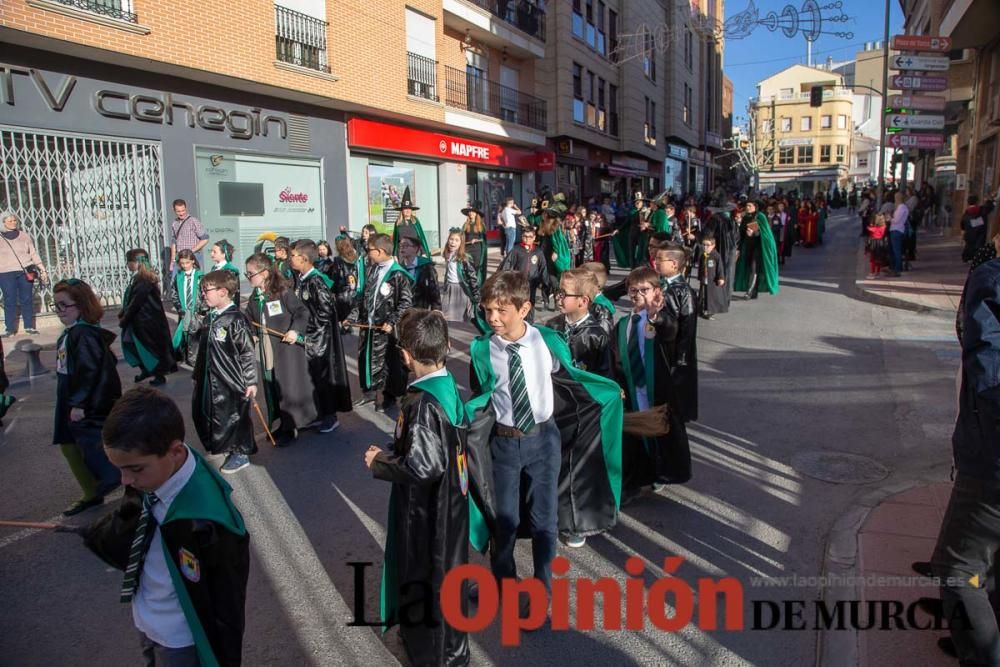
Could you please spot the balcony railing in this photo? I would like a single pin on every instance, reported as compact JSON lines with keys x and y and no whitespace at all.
{"x":421,"y":77}
{"x":116,"y":9}
{"x":524,"y":15}
{"x":300,"y":39}
{"x":472,"y":92}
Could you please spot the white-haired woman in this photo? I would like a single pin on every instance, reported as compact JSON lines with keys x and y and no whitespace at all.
{"x":19,"y":266}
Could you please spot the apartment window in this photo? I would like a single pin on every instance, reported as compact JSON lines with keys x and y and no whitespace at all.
{"x":116,"y":9}
{"x":766,"y":125}
{"x":841,"y":121}
{"x":824,"y":153}
{"x":601,"y":110}
{"x":577,"y":19}
{"x":688,"y":49}
{"x":649,"y":129}
{"x":841,"y":151}
{"x":687,"y":105}
{"x":786,"y":123}
{"x":591,"y":106}
{"x":601,"y":44}
{"x":648,"y":58}
{"x":805,"y":154}
{"x":786,"y":92}
{"x":806,"y":124}
{"x":421,"y":79}
{"x":786,"y":155}
{"x":863,"y":161}
{"x":578,"y":107}
{"x":612,"y":32}
{"x":825,"y":122}
{"x":591,"y":29}
{"x":613,"y":110}
{"x":300,"y":39}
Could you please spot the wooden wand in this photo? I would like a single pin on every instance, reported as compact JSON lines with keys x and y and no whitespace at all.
{"x":273,"y":332}
{"x":58,"y":527}
{"x":263,"y":422}
{"x":348,"y":323}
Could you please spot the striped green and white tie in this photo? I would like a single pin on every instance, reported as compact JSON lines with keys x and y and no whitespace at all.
{"x":140,"y":544}
{"x":524,"y":419}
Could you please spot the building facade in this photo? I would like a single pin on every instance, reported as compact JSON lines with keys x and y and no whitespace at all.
{"x":799,"y":146}
{"x":307,"y":124}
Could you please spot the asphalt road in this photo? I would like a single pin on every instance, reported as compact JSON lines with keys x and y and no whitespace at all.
{"x":810,"y":370}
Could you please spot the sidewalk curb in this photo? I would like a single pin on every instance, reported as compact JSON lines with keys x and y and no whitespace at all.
{"x":862,"y":294}
{"x":841,"y":647}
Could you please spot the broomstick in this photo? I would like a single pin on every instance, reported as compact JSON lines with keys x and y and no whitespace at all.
{"x":58,"y":527}
{"x":273,"y":332}
{"x":604,"y":236}
{"x":263,"y":423}
{"x":348,"y":323}
{"x":650,"y":423}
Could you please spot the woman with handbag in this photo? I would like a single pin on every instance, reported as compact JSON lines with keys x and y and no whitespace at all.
{"x":20,"y":269}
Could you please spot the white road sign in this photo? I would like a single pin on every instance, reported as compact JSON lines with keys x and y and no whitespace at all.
{"x":915,"y":122}
{"x":921,"y":63}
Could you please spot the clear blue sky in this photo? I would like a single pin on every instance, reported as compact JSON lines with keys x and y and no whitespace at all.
{"x":763,"y":53}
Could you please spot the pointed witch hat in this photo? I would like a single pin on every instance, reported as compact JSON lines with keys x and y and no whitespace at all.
{"x":406,"y":202}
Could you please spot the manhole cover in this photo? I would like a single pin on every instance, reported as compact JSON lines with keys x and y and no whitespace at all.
{"x":839,"y":467}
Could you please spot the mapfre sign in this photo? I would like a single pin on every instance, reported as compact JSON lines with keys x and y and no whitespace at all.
{"x":385,"y":137}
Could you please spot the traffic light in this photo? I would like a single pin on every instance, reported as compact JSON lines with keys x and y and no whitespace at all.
{"x":816,"y":96}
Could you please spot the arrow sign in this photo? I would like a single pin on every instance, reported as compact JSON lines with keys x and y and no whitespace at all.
{"x":915,"y":122}
{"x":924,"y":141}
{"x":921,"y":43}
{"x":932,"y":83}
{"x":922,"y":63}
{"x":922,"y":102}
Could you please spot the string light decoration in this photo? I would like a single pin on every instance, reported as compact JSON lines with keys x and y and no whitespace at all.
{"x":808,"y":21}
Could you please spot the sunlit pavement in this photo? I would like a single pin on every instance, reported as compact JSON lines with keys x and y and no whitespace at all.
{"x":810,"y":371}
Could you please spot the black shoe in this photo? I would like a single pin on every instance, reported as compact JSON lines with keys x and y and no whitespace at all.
{"x":923,"y":568}
{"x":83,"y":505}
{"x":286,"y":438}
{"x":932,"y":606}
{"x":142,"y":376}
{"x":365,"y":400}
{"x":158,"y":381}
{"x":947,"y":646}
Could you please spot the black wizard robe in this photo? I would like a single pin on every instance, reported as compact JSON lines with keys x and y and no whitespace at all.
{"x":387,"y":295}
{"x":324,"y":347}
{"x":679,"y":304}
{"x":589,"y":341}
{"x":588,"y":413}
{"x":426,"y":290}
{"x":224,"y":369}
{"x":283,"y":367}
{"x":665,"y":459}
{"x":413,"y":229}
{"x":711,"y":295}
{"x":146,"y":340}
{"x":727,"y":242}
{"x":427,"y":533}
{"x":348,"y":283}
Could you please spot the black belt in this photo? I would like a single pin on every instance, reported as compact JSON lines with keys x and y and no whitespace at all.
{"x":503,"y":431}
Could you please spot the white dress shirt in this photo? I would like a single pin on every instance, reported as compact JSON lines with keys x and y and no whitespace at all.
{"x":156,"y":610}
{"x":641,"y":398}
{"x":441,"y":372}
{"x":538,"y":365}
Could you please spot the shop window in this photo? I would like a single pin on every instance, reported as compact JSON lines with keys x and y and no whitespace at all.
{"x":786,"y":155}
{"x":824,"y":153}
{"x":805,"y":155}
{"x":241,"y":198}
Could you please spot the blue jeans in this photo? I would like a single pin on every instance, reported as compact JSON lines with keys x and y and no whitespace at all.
{"x":896,"y":242}
{"x":509,"y":235}
{"x":17,"y":291}
{"x":534,"y":460}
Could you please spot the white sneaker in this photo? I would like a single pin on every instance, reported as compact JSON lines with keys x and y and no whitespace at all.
{"x":574,"y":541}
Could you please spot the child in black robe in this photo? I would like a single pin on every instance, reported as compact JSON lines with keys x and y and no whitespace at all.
{"x":225,"y":376}
{"x":529,"y":259}
{"x":426,"y":291}
{"x":679,"y":305}
{"x":588,"y":334}
{"x":279,"y":321}
{"x":428,"y":527}
{"x":146,"y":342}
{"x":324,"y":347}
{"x":711,"y":280}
